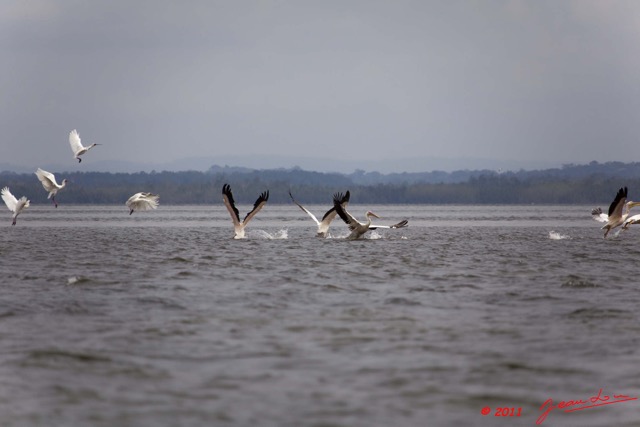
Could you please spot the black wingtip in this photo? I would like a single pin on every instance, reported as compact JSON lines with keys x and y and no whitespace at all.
{"x":621,"y":194}
{"x":337,"y":204}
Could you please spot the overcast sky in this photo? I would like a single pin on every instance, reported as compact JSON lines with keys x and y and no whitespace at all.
{"x":554,"y":81}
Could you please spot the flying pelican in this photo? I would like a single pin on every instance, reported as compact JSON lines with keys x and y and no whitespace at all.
{"x":618,"y":211}
{"x":323,"y":226}
{"x":142,"y":202}
{"x":77,"y":147}
{"x":16,"y":206}
{"x":359,"y":228}
{"x":49,"y":183}
{"x":238,"y":225}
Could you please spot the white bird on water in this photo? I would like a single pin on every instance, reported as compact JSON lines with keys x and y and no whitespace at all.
{"x":142,"y":202}
{"x":76,"y":145}
{"x":16,"y":206}
{"x":238,"y":225}
{"x":49,"y":183}
{"x":618,"y":212}
{"x":323,"y":226}
{"x":358,"y":229}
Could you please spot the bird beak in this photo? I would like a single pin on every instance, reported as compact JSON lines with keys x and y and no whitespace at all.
{"x":374,"y":215}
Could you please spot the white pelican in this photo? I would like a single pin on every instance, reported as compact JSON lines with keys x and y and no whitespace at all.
{"x":16,"y":206}
{"x":634,"y":219}
{"x":77,"y":147}
{"x":323,"y":226}
{"x":238,"y":225}
{"x":49,"y":183}
{"x":142,"y":202}
{"x":359,"y":228}
{"x":618,"y":211}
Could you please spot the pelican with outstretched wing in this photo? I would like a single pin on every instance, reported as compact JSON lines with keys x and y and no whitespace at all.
{"x":238,"y":225}
{"x":49,"y":183}
{"x":15,"y":205}
{"x":142,"y":202}
{"x":358,"y":229}
{"x":76,"y":145}
{"x":323,"y":225}
{"x":618,"y":212}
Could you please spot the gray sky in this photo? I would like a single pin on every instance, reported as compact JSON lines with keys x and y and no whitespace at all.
{"x":554,"y":81}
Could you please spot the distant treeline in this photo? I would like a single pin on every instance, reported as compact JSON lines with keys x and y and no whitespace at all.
{"x":595,"y":183}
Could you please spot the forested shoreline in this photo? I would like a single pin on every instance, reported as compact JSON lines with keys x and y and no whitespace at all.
{"x":571,"y":184}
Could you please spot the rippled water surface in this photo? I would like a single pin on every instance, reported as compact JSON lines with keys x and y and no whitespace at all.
{"x":161,"y":319}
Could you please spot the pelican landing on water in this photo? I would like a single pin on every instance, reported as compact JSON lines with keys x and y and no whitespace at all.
{"x":49,"y":183}
{"x":76,"y":145}
{"x":238,"y":225}
{"x":15,"y":205}
{"x":323,"y":226}
{"x":142,"y":202}
{"x":618,"y":212}
{"x":358,"y":229}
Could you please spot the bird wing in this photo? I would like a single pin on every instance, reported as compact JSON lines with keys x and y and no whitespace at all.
{"x":401,"y":224}
{"x":9,"y":199}
{"x":133,"y":199}
{"x":23,"y":203}
{"x":346,"y":216}
{"x":74,"y":141}
{"x":47,"y":179}
{"x":615,"y":209}
{"x":227,"y":198}
{"x":331,"y":213}
{"x":151,"y":200}
{"x":259,"y":204}
{"x":599,"y":216}
{"x":313,"y":217}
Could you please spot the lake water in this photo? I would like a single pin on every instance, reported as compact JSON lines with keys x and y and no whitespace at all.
{"x":161,"y":319}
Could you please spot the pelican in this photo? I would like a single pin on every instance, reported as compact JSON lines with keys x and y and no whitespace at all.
{"x":323,"y":226}
{"x":49,"y":183}
{"x":634,"y":219}
{"x":77,"y":147}
{"x":142,"y":202}
{"x":358,"y":229}
{"x":238,"y":225}
{"x":16,"y":206}
{"x":618,"y":212}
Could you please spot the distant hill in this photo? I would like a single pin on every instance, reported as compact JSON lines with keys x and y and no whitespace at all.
{"x":592,"y":183}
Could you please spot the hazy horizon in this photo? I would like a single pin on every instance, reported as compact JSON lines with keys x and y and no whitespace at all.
{"x":372,"y":85}
{"x":266,"y":163}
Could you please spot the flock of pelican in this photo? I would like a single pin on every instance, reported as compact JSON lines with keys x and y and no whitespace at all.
{"x":137,"y":202}
{"x":143,"y":201}
{"x":618,"y":214}
{"x":340,"y":201}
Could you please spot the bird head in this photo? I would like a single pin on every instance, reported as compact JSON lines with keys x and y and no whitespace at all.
{"x":371,"y":214}
{"x":631,"y":204}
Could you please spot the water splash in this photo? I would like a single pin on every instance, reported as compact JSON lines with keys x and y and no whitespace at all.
{"x":278,"y":235}
{"x":554,"y":235}
{"x":374,"y":235}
